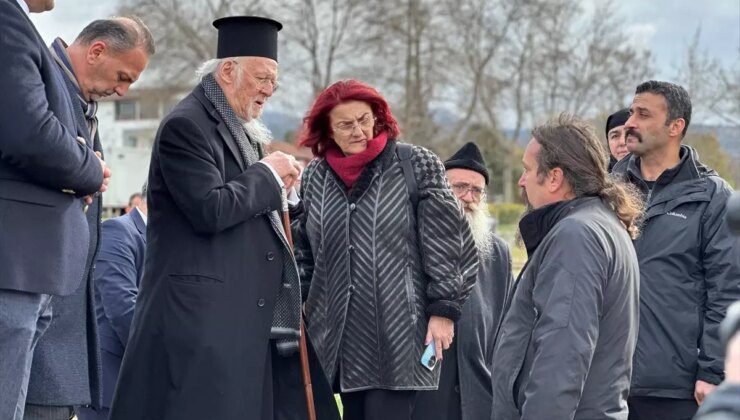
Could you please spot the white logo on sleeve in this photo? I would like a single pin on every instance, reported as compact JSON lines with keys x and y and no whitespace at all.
{"x":673,"y":213}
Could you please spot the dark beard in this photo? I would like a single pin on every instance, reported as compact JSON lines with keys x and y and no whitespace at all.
{"x":527,"y":205}
{"x":527,"y":209}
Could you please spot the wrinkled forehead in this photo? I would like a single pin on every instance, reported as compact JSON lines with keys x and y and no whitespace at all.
{"x":466,"y":176}
{"x":260,"y":65}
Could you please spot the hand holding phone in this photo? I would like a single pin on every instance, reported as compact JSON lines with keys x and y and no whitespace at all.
{"x":429,"y":358}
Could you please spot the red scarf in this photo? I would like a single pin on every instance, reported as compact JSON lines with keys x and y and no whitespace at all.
{"x":349,"y":168}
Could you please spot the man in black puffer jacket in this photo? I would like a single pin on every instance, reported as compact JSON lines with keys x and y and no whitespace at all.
{"x":689,"y":261}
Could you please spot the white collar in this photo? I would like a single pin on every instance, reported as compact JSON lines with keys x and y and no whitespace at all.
{"x":24,"y":6}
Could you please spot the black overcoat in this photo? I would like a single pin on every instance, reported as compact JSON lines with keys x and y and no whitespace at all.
{"x":200,"y":334}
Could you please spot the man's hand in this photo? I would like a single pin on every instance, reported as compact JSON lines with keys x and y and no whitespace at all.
{"x":106,"y":179}
{"x":442,"y":330}
{"x":701,"y":390}
{"x":286,"y":167}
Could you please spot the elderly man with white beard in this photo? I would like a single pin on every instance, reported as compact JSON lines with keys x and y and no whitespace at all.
{"x":465,"y":383}
{"x":216,"y":329}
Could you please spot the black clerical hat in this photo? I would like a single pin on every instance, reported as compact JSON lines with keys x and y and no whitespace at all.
{"x":247,"y":36}
{"x":468,"y":157}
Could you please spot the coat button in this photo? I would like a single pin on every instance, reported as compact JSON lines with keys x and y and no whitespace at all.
{"x":351,"y":248}
{"x":351,"y":288}
{"x":352,"y":207}
{"x":261,"y":303}
{"x":457,"y":388}
{"x":270,"y":256}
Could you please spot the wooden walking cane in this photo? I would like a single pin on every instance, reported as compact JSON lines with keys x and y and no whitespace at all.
{"x":305,"y":369}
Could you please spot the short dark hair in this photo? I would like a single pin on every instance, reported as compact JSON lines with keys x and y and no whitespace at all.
{"x":120,"y":35}
{"x":677,"y":100}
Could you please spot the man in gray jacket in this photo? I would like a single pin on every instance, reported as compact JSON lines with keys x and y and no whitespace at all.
{"x":689,"y":261}
{"x":566,"y":342}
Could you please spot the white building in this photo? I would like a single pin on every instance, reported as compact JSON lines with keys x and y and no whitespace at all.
{"x":127,"y":129}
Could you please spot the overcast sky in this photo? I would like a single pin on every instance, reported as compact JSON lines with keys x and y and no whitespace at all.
{"x":663,"y":26}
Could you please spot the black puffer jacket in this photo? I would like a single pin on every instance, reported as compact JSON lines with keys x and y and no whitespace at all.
{"x":689,"y":274}
{"x":373,"y":269}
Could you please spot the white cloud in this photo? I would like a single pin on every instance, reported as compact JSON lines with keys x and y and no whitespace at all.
{"x":641,"y":35}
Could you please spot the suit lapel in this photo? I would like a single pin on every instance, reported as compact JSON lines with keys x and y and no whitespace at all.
{"x":138,"y":221}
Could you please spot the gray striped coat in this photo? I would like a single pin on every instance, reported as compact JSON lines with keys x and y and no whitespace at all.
{"x":373,"y":269}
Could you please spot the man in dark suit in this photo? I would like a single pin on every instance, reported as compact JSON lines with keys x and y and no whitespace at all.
{"x":105,"y":59}
{"x":216,"y":326}
{"x":47,"y":174}
{"x":118,"y":271}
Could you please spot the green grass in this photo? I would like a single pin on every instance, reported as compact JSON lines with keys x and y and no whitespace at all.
{"x":518,"y":254}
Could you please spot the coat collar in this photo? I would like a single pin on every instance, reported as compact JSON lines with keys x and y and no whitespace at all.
{"x":222,"y":129}
{"x":688,"y":168}
{"x":535,"y":225}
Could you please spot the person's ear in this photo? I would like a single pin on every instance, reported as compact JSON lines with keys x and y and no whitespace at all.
{"x":555,"y":179}
{"x":227,"y":72}
{"x":675,"y":127}
{"x":95,"y":51}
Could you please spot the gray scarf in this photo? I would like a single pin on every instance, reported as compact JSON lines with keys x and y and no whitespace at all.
{"x":89,"y":108}
{"x":286,"y":316}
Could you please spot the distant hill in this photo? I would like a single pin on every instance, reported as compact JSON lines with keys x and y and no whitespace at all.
{"x":729,"y":137}
{"x":280,"y":123}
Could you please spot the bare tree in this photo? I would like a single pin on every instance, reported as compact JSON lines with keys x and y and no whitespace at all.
{"x":714,"y":89}
{"x":479,"y":29}
{"x":586,"y":63}
{"x":184,"y":32}
{"x":400,"y":45}
{"x":320,"y":34}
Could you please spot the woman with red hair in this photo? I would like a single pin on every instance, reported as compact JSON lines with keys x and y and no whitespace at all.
{"x":381,"y":276}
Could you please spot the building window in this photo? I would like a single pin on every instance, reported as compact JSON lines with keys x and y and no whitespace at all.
{"x":130,"y":141}
{"x":125,"y":110}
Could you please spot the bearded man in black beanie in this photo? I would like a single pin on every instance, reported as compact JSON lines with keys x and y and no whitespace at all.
{"x":465,"y":383}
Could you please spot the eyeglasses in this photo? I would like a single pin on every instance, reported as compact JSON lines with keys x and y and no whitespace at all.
{"x":462,"y":188}
{"x":347,"y":127}
{"x":261,"y":81}
{"x":267,"y":81}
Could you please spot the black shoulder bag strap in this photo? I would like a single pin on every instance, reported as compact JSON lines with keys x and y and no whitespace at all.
{"x":404,"y":152}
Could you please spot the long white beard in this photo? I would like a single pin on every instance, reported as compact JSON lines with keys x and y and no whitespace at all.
{"x":478,"y":219}
{"x":257,"y":131}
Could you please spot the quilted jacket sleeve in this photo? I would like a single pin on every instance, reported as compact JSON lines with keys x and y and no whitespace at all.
{"x":448,"y":252}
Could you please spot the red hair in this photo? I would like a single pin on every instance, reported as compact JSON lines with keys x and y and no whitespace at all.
{"x":315,"y":133}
